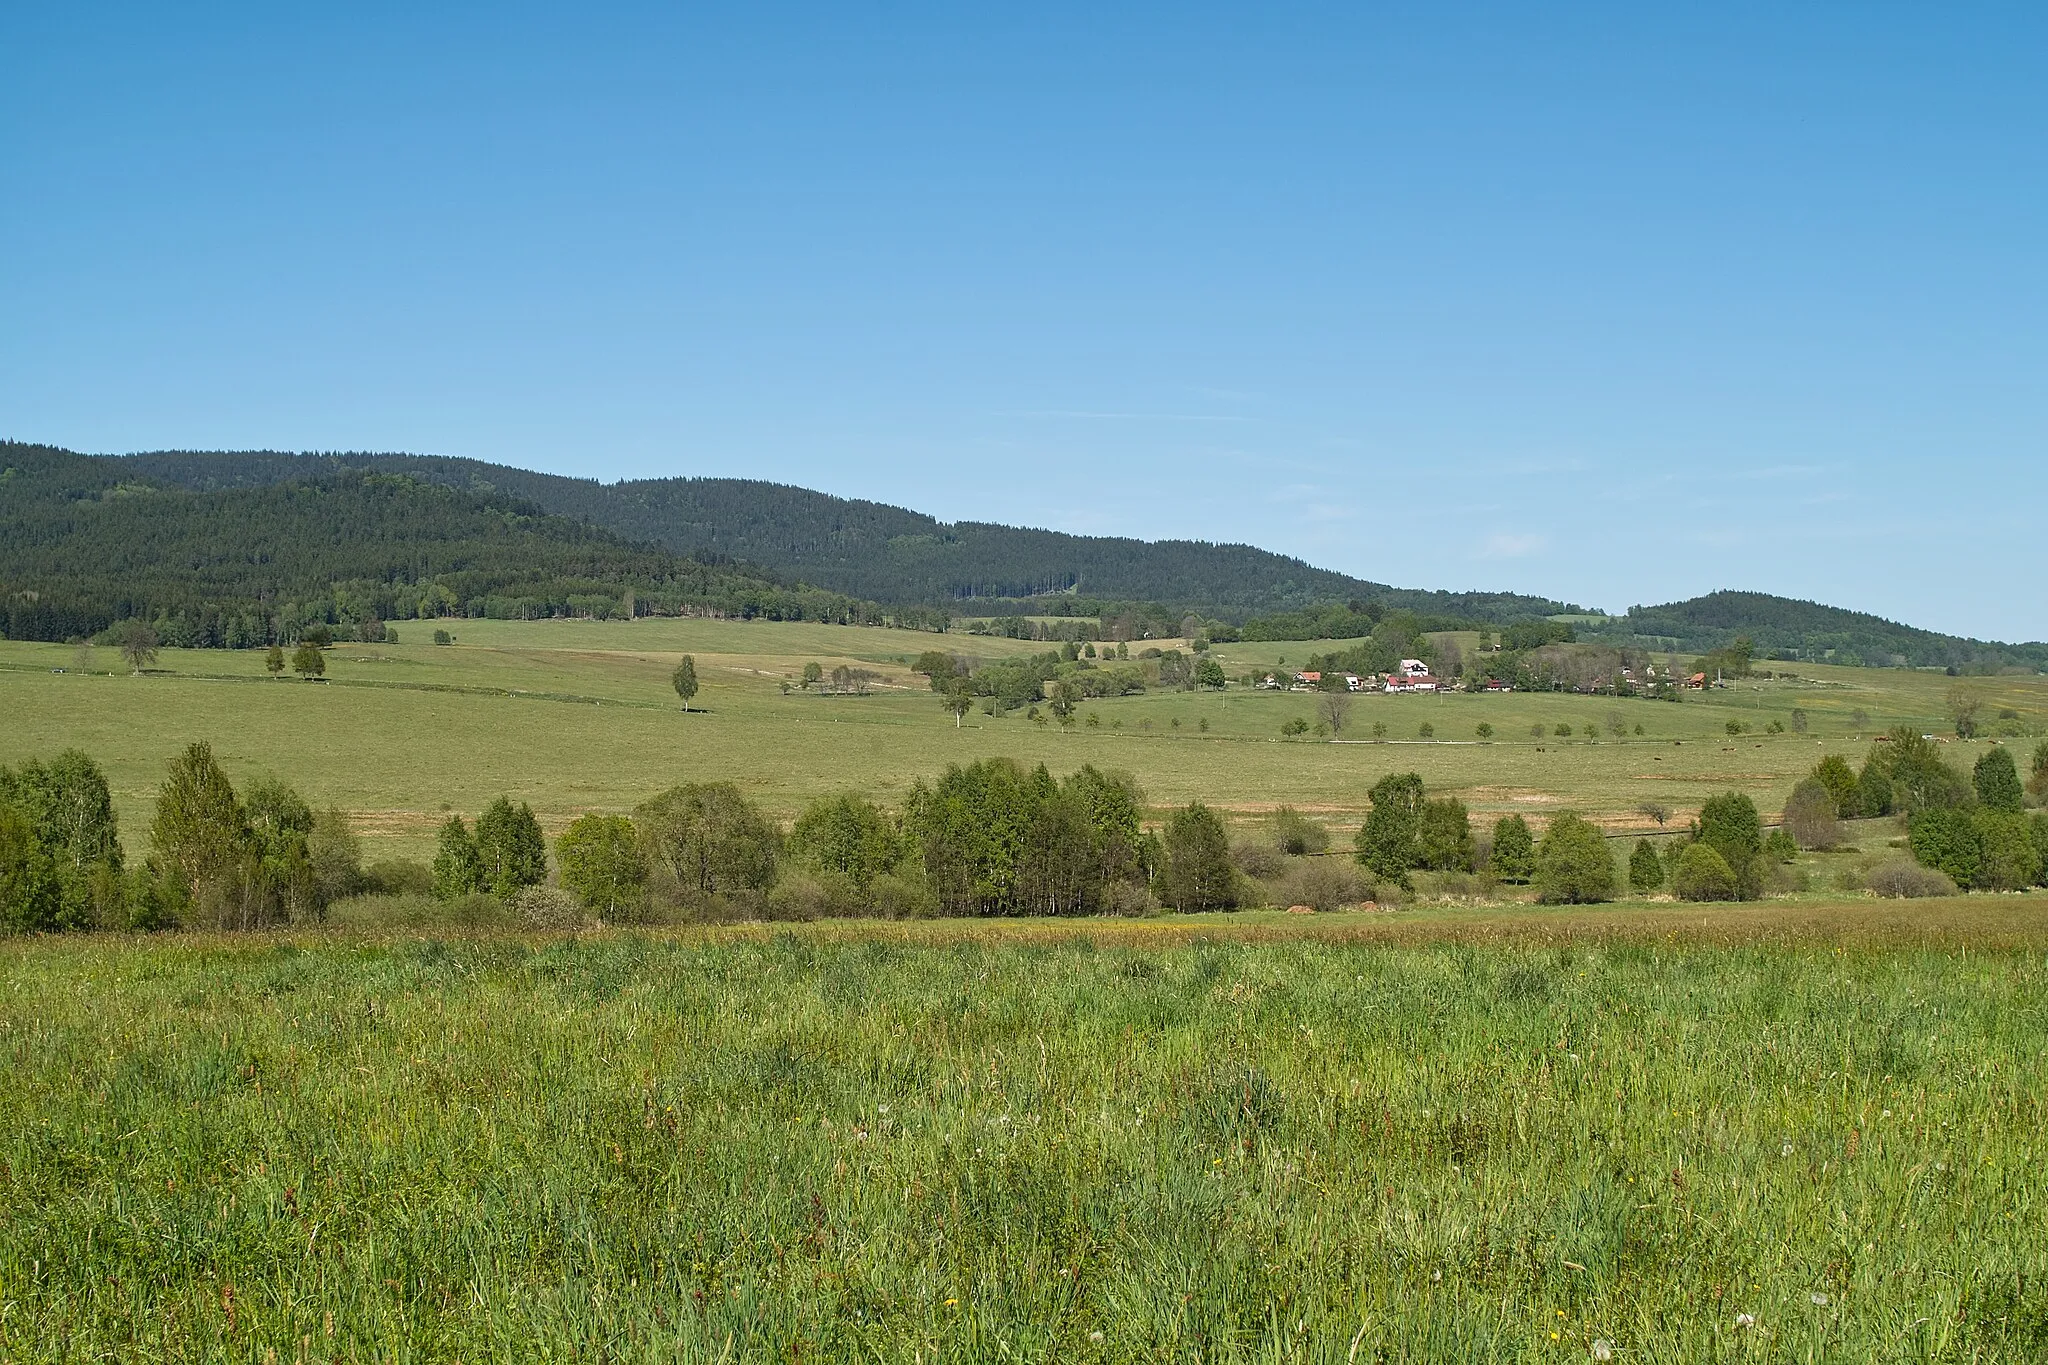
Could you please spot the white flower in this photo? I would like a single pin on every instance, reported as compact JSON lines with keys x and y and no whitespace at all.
{"x":1603,"y":1349}
{"x":1820,"y":1300}
{"x":1095,"y":1336}
{"x":1786,"y":1150}
{"x":1745,"y":1319}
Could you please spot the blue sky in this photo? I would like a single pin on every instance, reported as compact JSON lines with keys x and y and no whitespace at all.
{"x":1612,"y":303}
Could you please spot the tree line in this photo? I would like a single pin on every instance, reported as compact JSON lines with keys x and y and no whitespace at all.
{"x":84,"y":544}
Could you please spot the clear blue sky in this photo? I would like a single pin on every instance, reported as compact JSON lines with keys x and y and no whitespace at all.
{"x":1615,"y":303}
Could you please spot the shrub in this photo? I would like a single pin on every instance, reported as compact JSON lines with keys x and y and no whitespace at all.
{"x":1513,"y":858}
{"x":1325,"y":883}
{"x":1296,"y":726}
{"x":1945,"y":839}
{"x":1295,"y":833}
{"x":1730,"y":825}
{"x":1702,"y":874}
{"x":398,"y":877}
{"x":1573,"y":866}
{"x":1838,"y":780}
{"x":1256,"y":858}
{"x":2010,"y":860}
{"x":1996,"y":780}
{"x":1900,"y":877}
{"x":1645,"y":869}
{"x":1810,"y":814}
{"x":546,"y":908}
{"x":1780,"y":847}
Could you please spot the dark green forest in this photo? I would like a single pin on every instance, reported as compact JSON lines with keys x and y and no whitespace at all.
{"x":1782,"y":628}
{"x":875,"y":551}
{"x":86,"y":542}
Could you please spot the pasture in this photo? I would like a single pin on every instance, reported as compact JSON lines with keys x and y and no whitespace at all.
{"x":1755,"y":1133}
{"x":573,"y":716}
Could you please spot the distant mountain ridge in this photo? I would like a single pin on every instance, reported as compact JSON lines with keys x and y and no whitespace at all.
{"x":876,"y":551}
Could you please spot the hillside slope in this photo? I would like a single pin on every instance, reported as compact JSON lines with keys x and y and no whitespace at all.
{"x":86,"y":541}
{"x":1783,"y":627}
{"x":876,"y":551}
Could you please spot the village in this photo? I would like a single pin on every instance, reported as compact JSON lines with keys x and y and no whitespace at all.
{"x":1414,"y":676}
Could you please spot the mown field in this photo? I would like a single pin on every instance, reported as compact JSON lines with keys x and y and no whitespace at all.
{"x":1772,"y":1133}
{"x":577,"y":715}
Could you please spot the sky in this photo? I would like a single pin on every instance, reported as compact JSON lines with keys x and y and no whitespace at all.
{"x":1612,"y":303}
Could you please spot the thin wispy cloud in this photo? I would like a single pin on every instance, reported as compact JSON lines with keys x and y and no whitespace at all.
{"x":1505,"y":545}
{"x":1094,"y":414}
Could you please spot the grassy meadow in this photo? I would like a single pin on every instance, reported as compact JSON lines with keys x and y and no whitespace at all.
{"x":1745,"y":1133}
{"x":573,"y":716}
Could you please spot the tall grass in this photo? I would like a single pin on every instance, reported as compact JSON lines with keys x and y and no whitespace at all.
{"x":831,"y":1146}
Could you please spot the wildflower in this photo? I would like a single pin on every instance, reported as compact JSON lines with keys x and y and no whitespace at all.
{"x":952,"y":1303}
{"x":1554,"y":1336}
{"x":1786,"y":1150}
{"x":1745,"y":1319}
{"x":1820,"y":1300}
{"x":1602,"y":1349}
{"x":1095,"y":1336}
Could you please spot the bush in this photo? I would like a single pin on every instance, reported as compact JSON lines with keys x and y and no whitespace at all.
{"x":1645,"y":869}
{"x":1256,"y":858}
{"x":1780,"y":847}
{"x":546,"y":908}
{"x":1810,"y":815}
{"x":1838,"y":780}
{"x":1573,"y":866}
{"x":398,"y":877}
{"x":1996,"y":780}
{"x":1325,"y":883}
{"x":411,"y":910}
{"x":1901,"y":878}
{"x":1295,"y":833}
{"x":1513,"y":857}
{"x":1945,"y":838}
{"x":1702,"y":874}
{"x":1730,"y":825}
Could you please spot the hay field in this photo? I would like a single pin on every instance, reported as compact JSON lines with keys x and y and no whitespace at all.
{"x":577,"y":715}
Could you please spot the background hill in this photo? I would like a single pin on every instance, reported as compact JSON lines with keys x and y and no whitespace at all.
{"x":1785,"y":628}
{"x":87,"y":541}
{"x":228,"y":540}
{"x":873,"y":550}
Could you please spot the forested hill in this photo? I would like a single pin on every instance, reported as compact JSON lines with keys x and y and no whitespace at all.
{"x":872,"y":550}
{"x":87,"y":541}
{"x":1781,"y":627}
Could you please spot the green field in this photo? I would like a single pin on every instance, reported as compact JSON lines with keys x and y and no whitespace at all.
{"x":1471,"y":1137}
{"x":577,"y":715}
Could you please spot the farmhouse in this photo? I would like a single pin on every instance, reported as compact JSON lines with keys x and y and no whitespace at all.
{"x":1408,"y":682}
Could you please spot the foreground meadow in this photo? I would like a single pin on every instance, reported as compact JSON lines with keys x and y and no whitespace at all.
{"x":1810,"y":1133}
